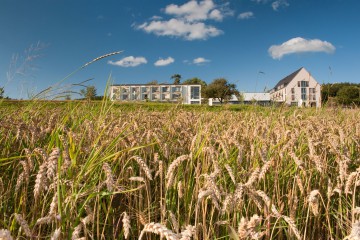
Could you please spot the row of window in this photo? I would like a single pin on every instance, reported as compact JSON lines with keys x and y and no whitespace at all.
{"x":148,"y":89}
{"x":304,"y":97}
{"x":124,"y":93}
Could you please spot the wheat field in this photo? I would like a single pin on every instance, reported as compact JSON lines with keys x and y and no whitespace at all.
{"x":103,"y":171}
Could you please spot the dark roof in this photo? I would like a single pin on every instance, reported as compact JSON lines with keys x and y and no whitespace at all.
{"x":286,"y":80}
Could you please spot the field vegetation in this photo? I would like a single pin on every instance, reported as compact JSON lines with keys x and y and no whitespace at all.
{"x":99,"y":170}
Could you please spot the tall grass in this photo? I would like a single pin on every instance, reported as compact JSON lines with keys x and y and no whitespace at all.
{"x":104,"y":171}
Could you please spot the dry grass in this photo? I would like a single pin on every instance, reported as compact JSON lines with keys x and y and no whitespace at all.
{"x":88,"y":171}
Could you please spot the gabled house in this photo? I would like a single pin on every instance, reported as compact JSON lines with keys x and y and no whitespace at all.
{"x":297,"y":89}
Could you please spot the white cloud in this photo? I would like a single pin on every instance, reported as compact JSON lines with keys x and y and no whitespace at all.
{"x":300,"y":45}
{"x":260,"y":1}
{"x":246,"y":15}
{"x":194,"y":11}
{"x":216,"y":15}
{"x":200,"y":60}
{"x":164,"y":62}
{"x":155,"y":18}
{"x":180,"y":28}
{"x":279,"y":3}
{"x":188,"y":20}
{"x":130,"y":61}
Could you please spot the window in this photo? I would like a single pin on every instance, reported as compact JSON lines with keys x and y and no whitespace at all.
{"x":312,"y":94}
{"x":293,"y":91}
{"x":194,"y":92}
{"x":176,"y":89}
{"x":292,"y":97}
{"x":303,"y":93}
{"x":304,"y":84}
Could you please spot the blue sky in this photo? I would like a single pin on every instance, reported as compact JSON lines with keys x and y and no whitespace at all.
{"x":208,"y":39}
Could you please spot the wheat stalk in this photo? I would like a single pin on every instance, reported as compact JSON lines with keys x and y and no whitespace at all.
{"x":40,"y":180}
{"x":313,"y":201}
{"x":231,"y":173}
{"x":293,"y":227}
{"x":158,"y":229}
{"x":126,"y":225}
{"x":109,"y":177}
{"x":24,"y":225}
{"x":56,"y":234}
{"x":76,"y":232}
{"x":101,"y":57}
{"x":52,"y":163}
{"x":143,"y":166}
{"x":170,"y":172}
{"x":355,"y":232}
{"x":188,"y":232}
{"x":5,"y":234}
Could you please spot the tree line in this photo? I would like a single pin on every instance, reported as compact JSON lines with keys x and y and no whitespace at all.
{"x":340,"y":93}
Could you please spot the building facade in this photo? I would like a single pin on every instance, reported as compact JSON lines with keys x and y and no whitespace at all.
{"x":187,"y":94}
{"x":259,"y":98}
{"x":297,"y":89}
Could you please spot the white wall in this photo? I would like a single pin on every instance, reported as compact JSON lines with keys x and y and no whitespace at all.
{"x":285,"y":94}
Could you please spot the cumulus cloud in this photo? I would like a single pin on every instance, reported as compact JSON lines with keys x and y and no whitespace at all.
{"x":260,"y":1}
{"x":300,"y":45}
{"x":129,"y":61}
{"x":188,"y":20}
{"x":180,"y":28}
{"x":279,"y":3}
{"x":155,"y":18}
{"x":246,"y":15}
{"x":198,"y":11}
{"x":200,"y":60}
{"x":164,"y":62}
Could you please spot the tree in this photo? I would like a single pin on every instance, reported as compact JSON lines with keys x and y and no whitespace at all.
{"x":89,"y":92}
{"x":220,"y":89}
{"x":343,"y":93}
{"x":153,"y":82}
{"x":2,"y":92}
{"x":196,"y":80}
{"x":349,"y":95}
{"x":176,"y":78}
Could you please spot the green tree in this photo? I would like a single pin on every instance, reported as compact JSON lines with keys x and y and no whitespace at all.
{"x":153,"y":82}
{"x":177,"y":78}
{"x":220,"y":89}
{"x":89,"y":92}
{"x":343,"y":93}
{"x":348,"y":95}
{"x":2,"y":91}
{"x":196,"y":80}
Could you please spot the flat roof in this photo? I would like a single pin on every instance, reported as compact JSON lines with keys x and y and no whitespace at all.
{"x":160,"y":84}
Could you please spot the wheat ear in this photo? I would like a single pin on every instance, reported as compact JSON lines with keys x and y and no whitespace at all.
{"x":24,"y":225}
{"x":5,"y":234}
{"x":143,"y":166}
{"x":170,"y":172}
{"x":158,"y":229}
{"x":56,"y":234}
{"x":126,"y":225}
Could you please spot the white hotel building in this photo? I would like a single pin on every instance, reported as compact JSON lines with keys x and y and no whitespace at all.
{"x":187,"y":94}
